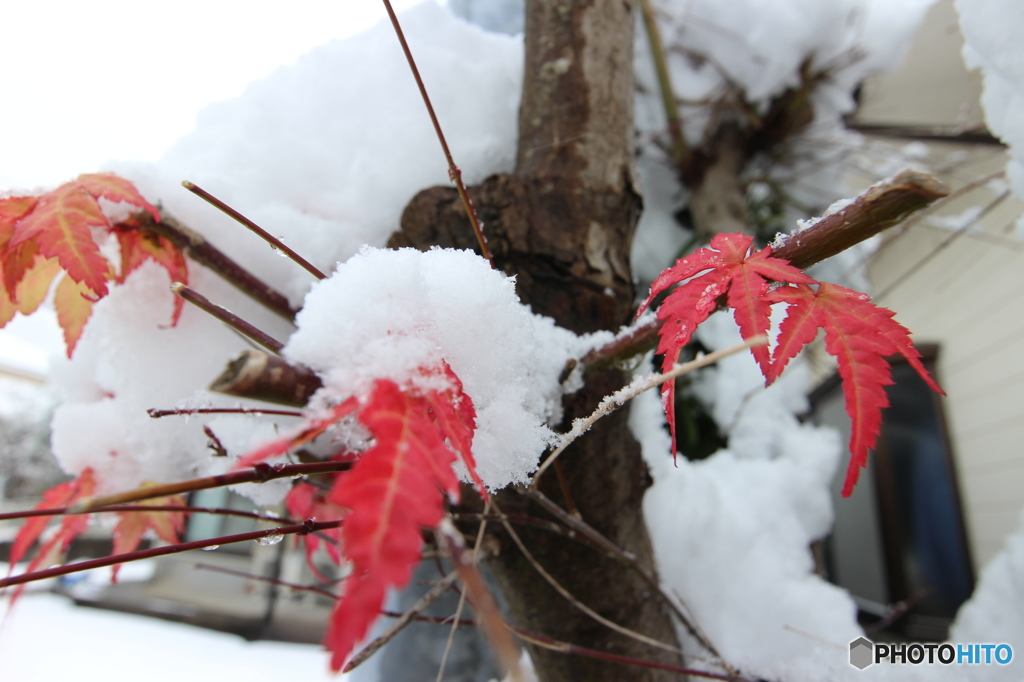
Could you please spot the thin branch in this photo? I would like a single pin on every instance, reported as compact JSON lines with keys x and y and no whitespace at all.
{"x":274,"y":242}
{"x":578,"y":604}
{"x":462,"y":592}
{"x":453,"y":171}
{"x":882,"y":206}
{"x":260,"y":473}
{"x":267,"y":579}
{"x":629,"y":559}
{"x":227,"y":317}
{"x":681,"y":154}
{"x":300,"y":529}
{"x":119,"y":508}
{"x":195,"y":246}
{"x":403,"y":620}
{"x":638,"y":385}
{"x":567,"y":648}
{"x":157,"y":414}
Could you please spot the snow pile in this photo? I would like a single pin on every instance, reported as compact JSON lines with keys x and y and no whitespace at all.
{"x":995,"y":612}
{"x":992,"y":30}
{"x":325,"y":153}
{"x":387,"y":314}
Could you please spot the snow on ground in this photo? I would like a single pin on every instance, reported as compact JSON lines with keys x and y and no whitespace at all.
{"x":48,"y":638}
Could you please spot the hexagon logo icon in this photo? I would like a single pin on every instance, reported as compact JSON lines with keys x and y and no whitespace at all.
{"x":861,"y":653}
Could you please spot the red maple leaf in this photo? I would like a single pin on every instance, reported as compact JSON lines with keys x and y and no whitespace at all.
{"x":305,"y":501}
{"x":727,"y":267}
{"x":860,"y":335}
{"x":134,"y":524}
{"x":394,"y":490}
{"x":57,"y":497}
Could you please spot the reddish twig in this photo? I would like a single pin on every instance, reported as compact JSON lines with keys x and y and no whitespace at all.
{"x":156,"y":414}
{"x":453,"y":171}
{"x":119,"y":508}
{"x":260,"y":473}
{"x":195,"y":246}
{"x":274,"y":242}
{"x":298,"y":529}
{"x":227,"y":317}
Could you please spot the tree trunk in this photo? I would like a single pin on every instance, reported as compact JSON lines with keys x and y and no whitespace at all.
{"x":564,"y":224}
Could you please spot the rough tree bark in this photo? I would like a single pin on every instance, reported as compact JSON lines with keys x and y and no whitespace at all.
{"x":563,"y":223}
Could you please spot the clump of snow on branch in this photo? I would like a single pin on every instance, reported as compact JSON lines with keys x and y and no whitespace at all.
{"x":388,"y":314}
{"x":992,"y":34}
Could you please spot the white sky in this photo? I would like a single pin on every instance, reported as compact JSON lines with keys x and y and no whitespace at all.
{"x":88,"y":82}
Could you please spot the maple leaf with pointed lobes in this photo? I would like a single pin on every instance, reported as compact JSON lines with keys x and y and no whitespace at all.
{"x":57,"y":497}
{"x":860,"y":335}
{"x":59,"y":226}
{"x":133,"y":525}
{"x":726,"y":267}
{"x":139,"y":246}
{"x":393,"y":491}
{"x":305,"y":501}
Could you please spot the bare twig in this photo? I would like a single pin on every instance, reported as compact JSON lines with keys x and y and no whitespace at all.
{"x":227,"y":317}
{"x":261,"y":473}
{"x":578,"y":604}
{"x":274,"y":242}
{"x":403,"y":620}
{"x":567,"y":648}
{"x":681,"y":154}
{"x":880,"y":207}
{"x":157,"y":414}
{"x":301,"y":529}
{"x":195,"y":246}
{"x":453,"y":171}
{"x":639,"y":384}
{"x":462,"y":594}
{"x":588,"y":531}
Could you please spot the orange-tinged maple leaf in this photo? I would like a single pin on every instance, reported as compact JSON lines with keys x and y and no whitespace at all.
{"x":133,"y":525}
{"x":726,"y":267}
{"x":138,"y":246}
{"x":305,"y":501}
{"x":30,"y":292}
{"x":60,"y":226}
{"x":73,"y":302}
{"x":18,"y":259}
{"x":57,"y":497}
{"x":860,"y":335}
{"x":116,"y":189}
